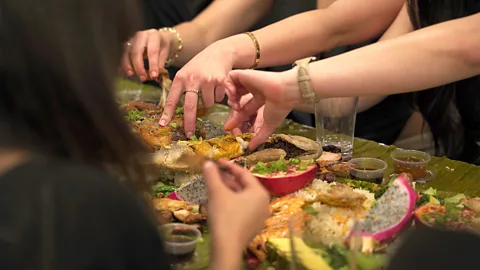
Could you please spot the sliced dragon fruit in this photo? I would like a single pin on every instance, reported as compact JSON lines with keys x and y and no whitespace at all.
{"x":391,"y":213}
{"x":192,"y":192}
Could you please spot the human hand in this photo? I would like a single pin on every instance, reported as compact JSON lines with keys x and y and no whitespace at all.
{"x":237,"y":206}
{"x":156,"y":45}
{"x":205,"y":75}
{"x":277,"y":91}
{"x":253,"y":124}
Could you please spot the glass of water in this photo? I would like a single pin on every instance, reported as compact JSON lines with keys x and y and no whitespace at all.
{"x":335,"y":124}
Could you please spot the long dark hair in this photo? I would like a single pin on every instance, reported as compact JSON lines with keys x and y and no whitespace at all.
{"x":449,"y":112}
{"x":58,"y":62}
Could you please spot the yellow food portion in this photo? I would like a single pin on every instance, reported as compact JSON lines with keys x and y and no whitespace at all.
{"x":304,"y":254}
{"x":276,"y":226}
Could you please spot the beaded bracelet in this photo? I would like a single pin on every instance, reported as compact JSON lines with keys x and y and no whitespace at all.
{"x":172,"y":59}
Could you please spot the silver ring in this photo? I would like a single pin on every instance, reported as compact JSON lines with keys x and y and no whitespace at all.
{"x":193,"y":91}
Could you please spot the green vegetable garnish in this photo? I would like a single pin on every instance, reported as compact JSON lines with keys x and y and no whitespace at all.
{"x":134,"y":116}
{"x":302,"y":167}
{"x":310,"y":210}
{"x":312,"y":162}
{"x":179,"y":110}
{"x":451,"y":212}
{"x":279,"y":165}
{"x":440,"y":219}
{"x":194,"y":138}
{"x":173,"y":125}
{"x":261,"y":168}
{"x":425,"y":198}
{"x":455,"y":199}
{"x":294,"y":161}
{"x":430,"y":191}
{"x":164,"y":190}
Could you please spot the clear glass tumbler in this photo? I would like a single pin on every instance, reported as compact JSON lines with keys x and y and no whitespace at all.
{"x":335,"y":123}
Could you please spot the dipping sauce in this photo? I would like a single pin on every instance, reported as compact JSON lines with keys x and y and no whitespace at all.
{"x":410,"y":161}
{"x":417,"y":172}
{"x":367,"y":169}
{"x":180,"y":241}
{"x":177,"y":258}
{"x":363,"y":175}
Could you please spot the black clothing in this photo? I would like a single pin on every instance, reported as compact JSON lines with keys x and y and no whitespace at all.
{"x":165,"y":13}
{"x":55,"y":215}
{"x":436,"y":249}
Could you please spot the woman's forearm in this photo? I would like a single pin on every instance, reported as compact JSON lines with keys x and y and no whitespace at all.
{"x":423,"y":59}
{"x":344,"y":22}
{"x":220,"y":19}
{"x":399,"y":27}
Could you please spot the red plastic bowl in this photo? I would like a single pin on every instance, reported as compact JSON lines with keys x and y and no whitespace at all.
{"x":280,"y":184}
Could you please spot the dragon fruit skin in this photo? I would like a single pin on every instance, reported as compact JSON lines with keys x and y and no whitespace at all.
{"x":392,"y":211}
{"x":194,"y":192}
{"x":174,"y":196}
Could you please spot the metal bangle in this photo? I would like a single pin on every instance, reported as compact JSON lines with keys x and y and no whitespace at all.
{"x":257,"y":49}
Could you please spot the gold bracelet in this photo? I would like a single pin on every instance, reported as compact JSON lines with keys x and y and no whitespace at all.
{"x":257,"y":49}
{"x":172,"y":59}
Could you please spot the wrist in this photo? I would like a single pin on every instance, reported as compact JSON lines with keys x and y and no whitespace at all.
{"x":226,"y":254}
{"x":292,"y":89}
{"x":241,"y":49}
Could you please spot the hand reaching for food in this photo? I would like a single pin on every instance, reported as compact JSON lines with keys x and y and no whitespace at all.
{"x":203,"y":77}
{"x":159,"y":46}
{"x":237,"y":206}
{"x":253,"y":124}
{"x":268,"y":90}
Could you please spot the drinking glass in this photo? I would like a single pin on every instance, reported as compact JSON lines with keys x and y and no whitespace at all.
{"x":335,"y":123}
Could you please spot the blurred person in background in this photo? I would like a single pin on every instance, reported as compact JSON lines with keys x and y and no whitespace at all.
{"x":439,"y":54}
{"x":61,"y":129}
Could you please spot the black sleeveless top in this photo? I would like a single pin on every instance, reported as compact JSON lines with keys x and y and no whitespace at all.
{"x":58,"y":215}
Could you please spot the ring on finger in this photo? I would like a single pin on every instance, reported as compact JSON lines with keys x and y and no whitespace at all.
{"x":193,"y":91}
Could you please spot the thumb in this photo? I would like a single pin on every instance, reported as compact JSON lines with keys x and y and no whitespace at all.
{"x":252,"y":80}
{"x":272,"y":119}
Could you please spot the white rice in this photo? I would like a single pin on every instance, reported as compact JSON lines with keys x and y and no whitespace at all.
{"x":333,"y":224}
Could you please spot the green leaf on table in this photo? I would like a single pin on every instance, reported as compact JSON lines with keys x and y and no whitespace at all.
{"x":455,"y":199}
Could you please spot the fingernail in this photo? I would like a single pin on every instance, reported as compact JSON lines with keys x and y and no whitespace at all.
{"x":163,"y":123}
{"x":130,"y":73}
{"x":153,"y":74}
{"x":189,"y":135}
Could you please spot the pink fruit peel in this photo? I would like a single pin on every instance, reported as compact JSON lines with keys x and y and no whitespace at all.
{"x":381,"y":222}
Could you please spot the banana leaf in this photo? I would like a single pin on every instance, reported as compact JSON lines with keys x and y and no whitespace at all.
{"x":451,"y":177}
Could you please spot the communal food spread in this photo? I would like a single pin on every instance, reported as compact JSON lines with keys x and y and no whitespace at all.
{"x":327,"y":217}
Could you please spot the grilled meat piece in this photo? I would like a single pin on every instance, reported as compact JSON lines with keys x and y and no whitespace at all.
{"x":340,"y":195}
{"x":295,"y":146}
{"x":266,"y":155}
{"x":164,"y":216}
{"x":329,"y":158}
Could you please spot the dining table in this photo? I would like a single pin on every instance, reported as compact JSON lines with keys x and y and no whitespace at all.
{"x":449,"y":176}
